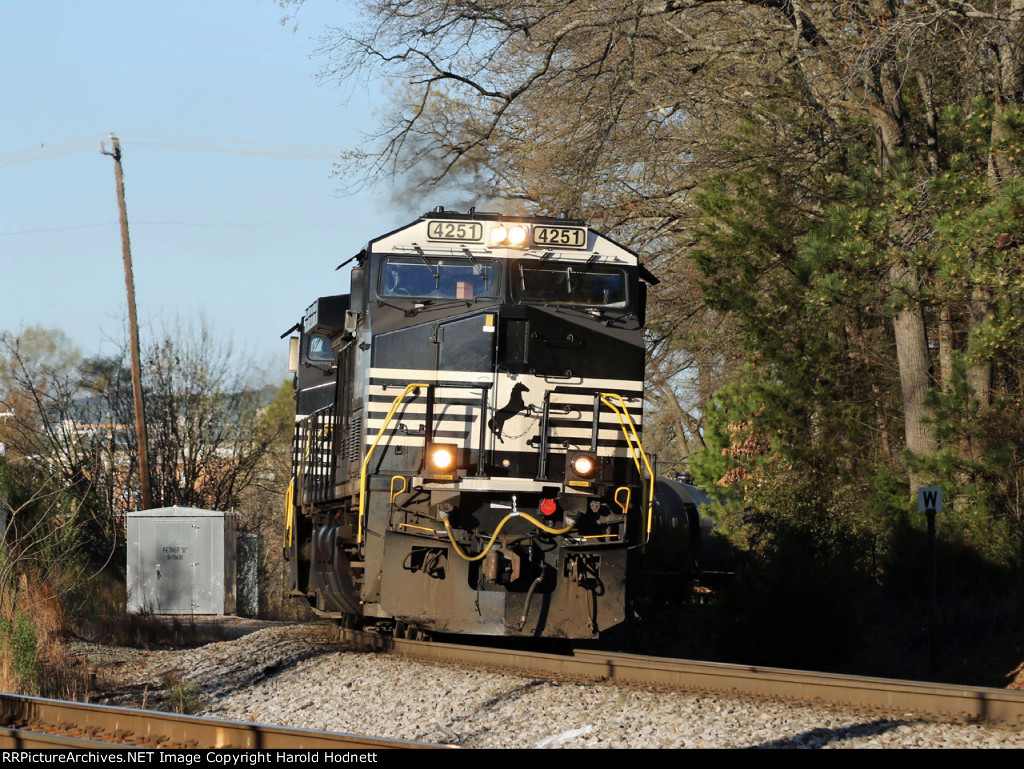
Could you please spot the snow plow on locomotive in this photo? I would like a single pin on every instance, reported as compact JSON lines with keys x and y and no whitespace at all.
{"x":467,"y":452}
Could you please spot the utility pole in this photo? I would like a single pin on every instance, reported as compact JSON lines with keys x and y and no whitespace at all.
{"x":133,"y":326}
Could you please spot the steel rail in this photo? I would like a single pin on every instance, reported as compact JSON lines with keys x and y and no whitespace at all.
{"x":974,"y":702}
{"x":149,"y":728}
{"x":919,"y":698}
{"x":19,"y":739}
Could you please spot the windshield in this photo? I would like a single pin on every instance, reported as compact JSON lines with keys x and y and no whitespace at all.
{"x":581,"y":284}
{"x":441,"y":278}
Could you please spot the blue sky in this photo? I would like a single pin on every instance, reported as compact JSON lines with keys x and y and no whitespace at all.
{"x":244,"y":241}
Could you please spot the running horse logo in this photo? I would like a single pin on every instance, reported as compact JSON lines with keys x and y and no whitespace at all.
{"x":514,"y":406}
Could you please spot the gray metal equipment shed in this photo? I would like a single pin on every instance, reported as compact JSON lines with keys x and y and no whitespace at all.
{"x":181,"y":560}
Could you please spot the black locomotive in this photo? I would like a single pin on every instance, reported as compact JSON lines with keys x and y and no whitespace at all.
{"x":467,"y":453}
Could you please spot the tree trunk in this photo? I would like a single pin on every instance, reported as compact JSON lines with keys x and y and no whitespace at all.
{"x":1011,"y":89}
{"x":946,"y":347}
{"x":914,"y":364}
{"x":979,"y":371}
{"x":912,"y":354}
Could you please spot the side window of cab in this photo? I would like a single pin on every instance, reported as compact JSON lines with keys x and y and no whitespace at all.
{"x":319,"y":348}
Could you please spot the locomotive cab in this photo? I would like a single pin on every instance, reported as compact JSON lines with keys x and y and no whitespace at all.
{"x":477,"y":466}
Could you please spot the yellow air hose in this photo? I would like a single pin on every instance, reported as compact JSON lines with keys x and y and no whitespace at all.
{"x":490,"y":543}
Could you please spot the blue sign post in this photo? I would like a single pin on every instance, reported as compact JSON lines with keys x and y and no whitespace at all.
{"x":929,"y":499}
{"x":929,"y":502}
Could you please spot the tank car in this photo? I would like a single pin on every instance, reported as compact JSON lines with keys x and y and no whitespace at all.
{"x":467,"y":450}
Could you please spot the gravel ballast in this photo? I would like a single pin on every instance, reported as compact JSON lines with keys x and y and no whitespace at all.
{"x":292,"y":676}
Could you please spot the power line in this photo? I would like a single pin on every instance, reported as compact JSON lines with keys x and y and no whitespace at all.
{"x":136,"y":224}
{"x":233,"y":150}
{"x":307,"y":225}
{"x":55,"y":145}
{"x":44,"y":152}
{"x":202,"y":144}
{"x":209,"y":140}
{"x":57,"y":229}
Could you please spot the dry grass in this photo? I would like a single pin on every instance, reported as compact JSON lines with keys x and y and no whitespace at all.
{"x":34,"y":658}
{"x":37,"y":617}
{"x":104,"y":619}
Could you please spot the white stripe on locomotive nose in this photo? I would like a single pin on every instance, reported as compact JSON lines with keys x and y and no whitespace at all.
{"x":457,"y":410}
{"x":465,"y":428}
{"x":557,"y":409}
{"x":454,"y":421}
{"x":448,"y":396}
{"x":623,"y":386}
{"x":522,"y":447}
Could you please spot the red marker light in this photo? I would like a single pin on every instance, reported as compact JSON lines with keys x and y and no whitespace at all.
{"x":548,"y":507}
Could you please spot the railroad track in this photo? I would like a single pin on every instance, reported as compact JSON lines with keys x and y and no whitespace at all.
{"x":33,"y":722}
{"x":918,"y":698}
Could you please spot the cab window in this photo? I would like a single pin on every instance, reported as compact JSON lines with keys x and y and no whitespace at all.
{"x":319,"y":348}
{"x":579,"y":284}
{"x":411,"y":276}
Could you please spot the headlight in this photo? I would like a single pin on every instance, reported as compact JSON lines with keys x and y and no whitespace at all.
{"x":582,"y":469}
{"x":583,"y":465}
{"x":498,"y":235}
{"x":442,"y":457}
{"x":509,"y":235}
{"x":517,"y":235}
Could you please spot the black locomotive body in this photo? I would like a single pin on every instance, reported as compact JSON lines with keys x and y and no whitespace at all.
{"x":467,"y":454}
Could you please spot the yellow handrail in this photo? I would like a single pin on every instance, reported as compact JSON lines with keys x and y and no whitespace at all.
{"x":629,"y":495}
{"x":289,"y":513}
{"x":366,"y":462}
{"x":637,"y":451}
{"x":414,"y":526}
{"x":405,"y":485}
